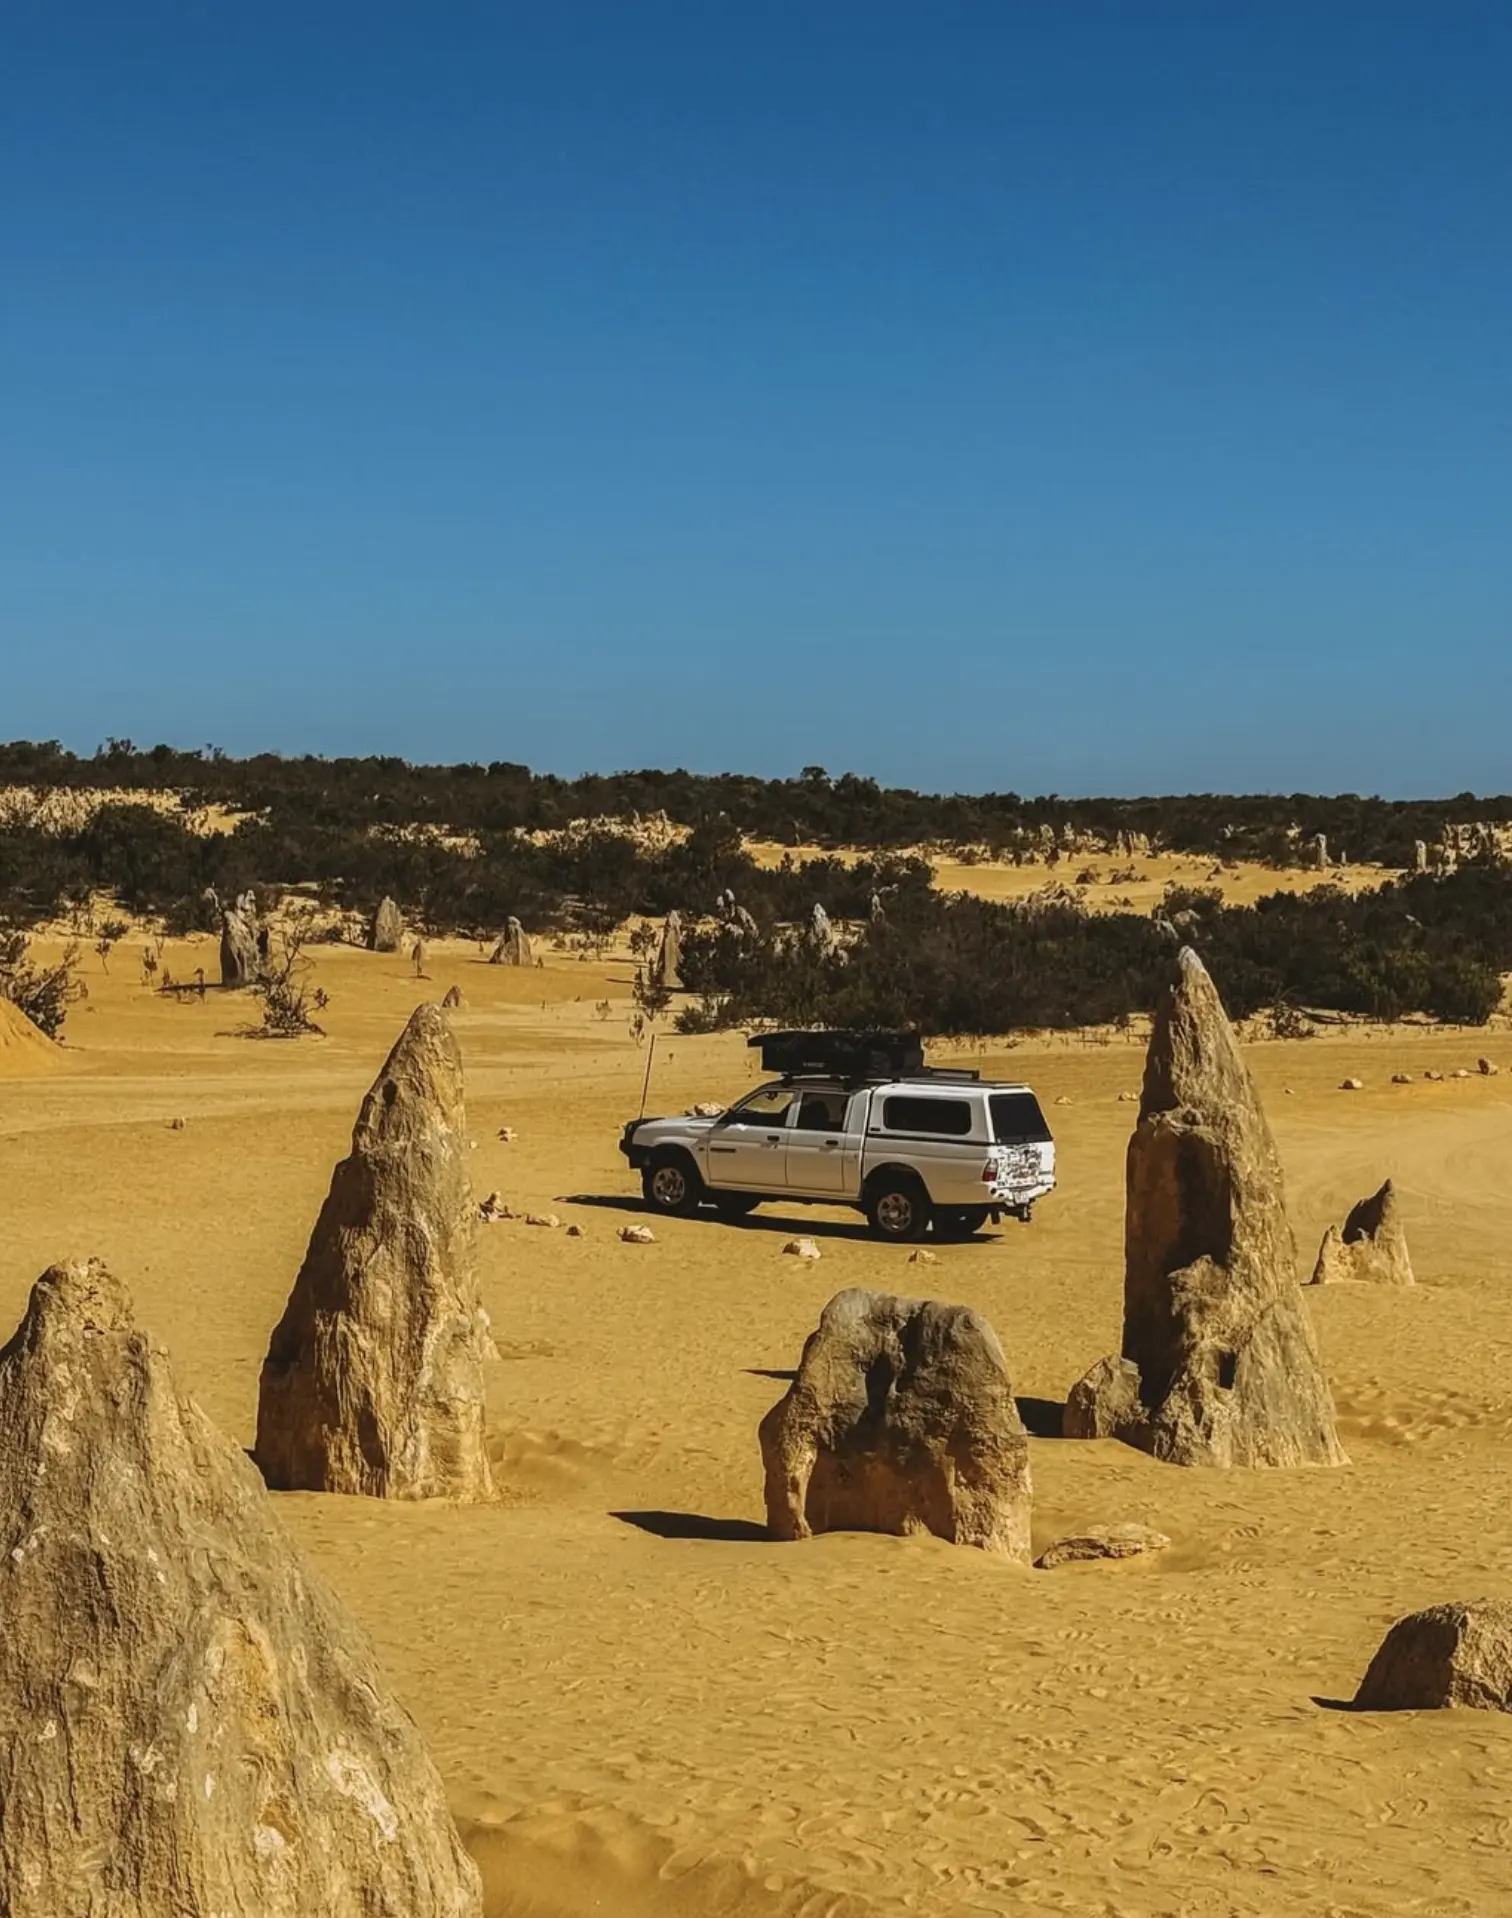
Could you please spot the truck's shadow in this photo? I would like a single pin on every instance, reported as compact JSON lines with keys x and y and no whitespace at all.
{"x":793,"y":1225}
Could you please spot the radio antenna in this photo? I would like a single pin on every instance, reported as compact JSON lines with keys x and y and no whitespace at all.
{"x":646,"y":1082}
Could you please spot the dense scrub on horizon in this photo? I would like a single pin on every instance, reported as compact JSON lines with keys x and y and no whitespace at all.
{"x":950,"y":964}
{"x":957,"y":965}
{"x":155,"y":864}
{"x":812,"y":809}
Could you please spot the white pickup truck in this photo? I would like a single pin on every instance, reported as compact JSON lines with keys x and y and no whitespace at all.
{"x":911,"y":1149}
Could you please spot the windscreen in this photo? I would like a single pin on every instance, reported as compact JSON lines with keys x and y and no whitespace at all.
{"x":1017,"y":1119}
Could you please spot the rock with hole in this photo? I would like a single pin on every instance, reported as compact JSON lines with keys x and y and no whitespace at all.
{"x":373,"y":1383}
{"x":901,"y":1419}
{"x":193,"y":1724}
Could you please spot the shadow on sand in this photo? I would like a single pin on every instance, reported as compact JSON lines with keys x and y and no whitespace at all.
{"x":799,"y":1224}
{"x":694,"y":1525}
{"x":1042,"y":1417}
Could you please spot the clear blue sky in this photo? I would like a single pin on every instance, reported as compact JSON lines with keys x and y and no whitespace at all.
{"x":1077,"y":395}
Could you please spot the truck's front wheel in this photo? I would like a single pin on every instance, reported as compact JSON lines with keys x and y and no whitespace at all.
{"x":671,"y":1185}
{"x":897,"y":1208}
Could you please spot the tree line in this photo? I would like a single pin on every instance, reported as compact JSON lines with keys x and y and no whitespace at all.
{"x":951,"y":964}
{"x":813,"y":808}
{"x":959,"y":965}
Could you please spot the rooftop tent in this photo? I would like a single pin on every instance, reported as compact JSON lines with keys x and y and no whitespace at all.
{"x":841,"y":1054}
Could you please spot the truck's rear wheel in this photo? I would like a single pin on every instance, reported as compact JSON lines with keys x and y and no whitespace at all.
{"x":960,"y":1221}
{"x":897,"y":1208}
{"x":671,"y":1185}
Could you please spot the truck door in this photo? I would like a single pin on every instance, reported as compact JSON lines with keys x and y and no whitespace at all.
{"x":822,"y":1153}
{"x":748,"y":1146}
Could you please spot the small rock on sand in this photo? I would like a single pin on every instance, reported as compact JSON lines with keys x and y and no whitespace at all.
{"x":637,"y":1235}
{"x":922,"y":1255}
{"x":1351,"y":1085}
{"x":548,"y":1219}
{"x":1459,"y":1072}
{"x":176,"y":1125}
{"x":1485,"y":1068}
{"x":508,"y":1134}
{"x":1436,"y":1077}
{"x":1102,"y":1541}
{"x":574,"y":1232}
{"x":493,"y":1209}
{"x":801,"y":1249}
{"x":1401,"y":1078}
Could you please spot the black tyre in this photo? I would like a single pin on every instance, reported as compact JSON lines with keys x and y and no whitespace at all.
{"x":734,"y":1205}
{"x":897,"y":1208}
{"x":670,"y":1184}
{"x":960,"y":1221}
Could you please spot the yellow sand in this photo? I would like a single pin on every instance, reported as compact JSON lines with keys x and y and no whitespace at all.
{"x":668,"y":1715}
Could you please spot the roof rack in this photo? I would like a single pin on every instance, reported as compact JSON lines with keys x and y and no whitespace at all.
{"x":841,"y":1054}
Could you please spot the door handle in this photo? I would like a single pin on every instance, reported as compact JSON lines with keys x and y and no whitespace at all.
{"x":831,"y":1145}
{"x":774,"y":1138}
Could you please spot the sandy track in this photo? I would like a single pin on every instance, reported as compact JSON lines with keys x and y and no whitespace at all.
{"x":641,"y":1706}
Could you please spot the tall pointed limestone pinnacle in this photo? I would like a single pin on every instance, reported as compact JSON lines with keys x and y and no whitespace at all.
{"x":373,"y":1382}
{"x":189,"y":1721}
{"x":1220,"y":1366}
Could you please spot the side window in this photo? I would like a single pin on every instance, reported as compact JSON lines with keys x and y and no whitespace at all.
{"x":767,"y":1107}
{"x":822,"y":1112}
{"x":944,"y":1118}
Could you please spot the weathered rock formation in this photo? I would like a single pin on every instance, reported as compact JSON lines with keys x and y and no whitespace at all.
{"x":1420,"y":855}
{"x":514,"y":948}
{"x":1214,"y":1323}
{"x":452,"y":999}
{"x":1320,"y":849}
{"x":1372,"y":1246}
{"x":1104,"y":1403}
{"x":901,"y":1419}
{"x":373,"y":1380}
{"x":387,"y":930}
{"x":1447,"y":1655}
{"x":821,"y":933}
{"x":244,"y":945}
{"x":191,"y":1723}
{"x":667,"y":970}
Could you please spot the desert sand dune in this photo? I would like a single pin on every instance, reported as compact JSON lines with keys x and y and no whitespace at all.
{"x":637,"y":1703}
